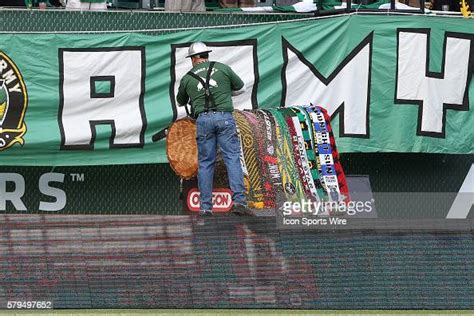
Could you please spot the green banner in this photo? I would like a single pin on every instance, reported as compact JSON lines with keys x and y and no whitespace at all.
{"x":391,"y":83}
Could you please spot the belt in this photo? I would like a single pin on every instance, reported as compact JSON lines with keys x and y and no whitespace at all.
{"x":213,"y":112}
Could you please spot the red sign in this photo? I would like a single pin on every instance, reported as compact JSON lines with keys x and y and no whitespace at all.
{"x":221,"y":200}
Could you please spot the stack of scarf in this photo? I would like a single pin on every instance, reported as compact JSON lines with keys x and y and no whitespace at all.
{"x":289,"y":154}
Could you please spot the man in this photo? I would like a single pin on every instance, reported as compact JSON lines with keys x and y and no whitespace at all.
{"x":210,"y":86}
{"x":85,"y":5}
{"x":185,"y":5}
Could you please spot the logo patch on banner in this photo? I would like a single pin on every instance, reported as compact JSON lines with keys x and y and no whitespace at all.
{"x":221,"y":200}
{"x":13,"y":103}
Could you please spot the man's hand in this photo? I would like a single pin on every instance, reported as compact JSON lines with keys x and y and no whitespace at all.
{"x":238,"y":92}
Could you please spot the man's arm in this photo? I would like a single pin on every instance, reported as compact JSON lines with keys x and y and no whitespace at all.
{"x":182,"y":96}
{"x":236,"y":84}
{"x":240,"y":91}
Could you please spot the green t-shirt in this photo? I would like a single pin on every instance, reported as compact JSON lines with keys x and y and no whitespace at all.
{"x":223,"y":81}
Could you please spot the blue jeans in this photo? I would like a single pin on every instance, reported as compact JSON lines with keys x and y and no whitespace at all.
{"x":218,"y":128}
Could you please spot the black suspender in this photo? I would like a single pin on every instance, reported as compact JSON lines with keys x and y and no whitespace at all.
{"x":209,"y":98}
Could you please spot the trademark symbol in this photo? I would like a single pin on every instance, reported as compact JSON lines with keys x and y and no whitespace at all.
{"x":77,"y":177}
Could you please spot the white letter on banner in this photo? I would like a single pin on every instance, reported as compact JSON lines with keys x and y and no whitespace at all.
{"x":241,"y":56}
{"x":434,"y":92}
{"x":102,"y":86}
{"x":15,"y":196}
{"x":47,"y":189}
{"x":345,"y":90}
{"x":465,"y":198}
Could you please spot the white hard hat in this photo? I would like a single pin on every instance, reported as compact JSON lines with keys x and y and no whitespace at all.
{"x":198,"y":48}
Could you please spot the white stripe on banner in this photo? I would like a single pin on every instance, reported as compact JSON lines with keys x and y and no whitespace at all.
{"x":465,"y":198}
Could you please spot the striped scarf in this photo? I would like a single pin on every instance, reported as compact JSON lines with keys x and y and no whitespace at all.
{"x":255,"y":192}
{"x":259,"y":141}
{"x":291,"y":180}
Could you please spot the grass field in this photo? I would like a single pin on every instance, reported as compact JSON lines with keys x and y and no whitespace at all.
{"x":246,"y":312}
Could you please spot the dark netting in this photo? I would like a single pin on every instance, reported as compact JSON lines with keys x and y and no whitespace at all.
{"x":66,"y":20}
{"x":154,"y":189}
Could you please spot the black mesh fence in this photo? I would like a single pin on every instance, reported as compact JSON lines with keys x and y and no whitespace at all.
{"x":16,"y":20}
{"x":155,"y":189}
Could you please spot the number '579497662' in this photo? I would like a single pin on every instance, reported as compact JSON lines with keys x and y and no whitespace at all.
{"x":29,"y":304}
